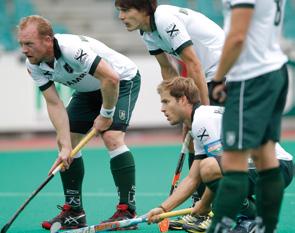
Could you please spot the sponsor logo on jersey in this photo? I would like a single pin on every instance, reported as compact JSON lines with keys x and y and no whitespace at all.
{"x":203,"y":135}
{"x":47,"y":74}
{"x":172,"y":31}
{"x":81,"y":56}
{"x":213,"y":148}
{"x":75,"y":81}
{"x":68,"y":68}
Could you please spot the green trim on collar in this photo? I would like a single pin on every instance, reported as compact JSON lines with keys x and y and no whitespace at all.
{"x":56,"y":49}
{"x":153,"y":23}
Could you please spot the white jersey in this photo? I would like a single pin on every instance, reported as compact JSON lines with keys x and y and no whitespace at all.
{"x":76,"y":59}
{"x":206,"y":132}
{"x":261,"y":53}
{"x":175,"y":28}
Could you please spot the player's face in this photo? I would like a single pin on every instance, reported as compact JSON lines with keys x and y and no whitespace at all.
{"x":172,"y":108}
{"x":33,"y":46}
{"x":133,"y":19}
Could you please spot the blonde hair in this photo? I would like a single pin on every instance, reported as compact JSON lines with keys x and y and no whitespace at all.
{"x":180,"y":86}
{"x":44,"y":27}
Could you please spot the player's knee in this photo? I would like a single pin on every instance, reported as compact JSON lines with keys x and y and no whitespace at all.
{"x":113,"y":139}
{"x":209,"y":169}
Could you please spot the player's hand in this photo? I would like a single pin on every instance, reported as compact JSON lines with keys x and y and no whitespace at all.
{"x":63,"y":157}
{"x":217,"y":91}
{"x":101,"y":123}
{"x":153,"y":215}
{"x":200,"y":209}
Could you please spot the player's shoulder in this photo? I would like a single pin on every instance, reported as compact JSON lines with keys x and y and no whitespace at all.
{"x":163,"y":13}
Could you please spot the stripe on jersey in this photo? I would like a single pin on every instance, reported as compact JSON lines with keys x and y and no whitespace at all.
{"x":242,"y":5}
{"x":46,"y":86}
{"x":94,"y":65}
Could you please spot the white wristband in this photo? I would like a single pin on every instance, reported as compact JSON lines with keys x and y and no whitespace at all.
{"x":107,"y":113}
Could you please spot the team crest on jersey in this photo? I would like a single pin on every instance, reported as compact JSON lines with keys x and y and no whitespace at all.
{"x":203,"y":135}
{"x":230,"y":138}
{"x":68,"y":68}
{"x":122,"y":115}
{"x":81,"y":56}
{"x":172,"y":31}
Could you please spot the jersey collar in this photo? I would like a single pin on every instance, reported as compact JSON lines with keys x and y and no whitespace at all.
{"x":56,"y":48}
{"x":152,"y":25}
{"x":195,"y":106}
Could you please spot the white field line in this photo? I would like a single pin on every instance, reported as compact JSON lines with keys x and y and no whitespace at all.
{"x":94,"y":194}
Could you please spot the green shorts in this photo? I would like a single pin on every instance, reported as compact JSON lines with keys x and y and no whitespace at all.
{"x":84,"y":107}
{"x":253,"y":110}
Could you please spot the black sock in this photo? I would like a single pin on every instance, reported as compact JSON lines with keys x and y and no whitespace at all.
{"x":72,"y":183}
{"x":123,"y":170}
{"x":233,"y":189}
{"x":269,"y":194}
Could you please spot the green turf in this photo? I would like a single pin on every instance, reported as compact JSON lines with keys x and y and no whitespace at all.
{"x":23,"y":171}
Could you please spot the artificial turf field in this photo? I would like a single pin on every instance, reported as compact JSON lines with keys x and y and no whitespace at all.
{"x":21,"y":172}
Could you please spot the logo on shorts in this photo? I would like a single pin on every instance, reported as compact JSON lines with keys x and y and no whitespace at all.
{"x":122,"y":115}
{"x":230,"y":138}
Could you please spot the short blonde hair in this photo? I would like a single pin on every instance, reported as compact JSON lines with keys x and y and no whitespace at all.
{"x":44,"y":27}
{"x":180,"y":86}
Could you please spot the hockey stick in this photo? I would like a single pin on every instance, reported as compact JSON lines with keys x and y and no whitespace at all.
{"x":124,"y":223}
{"x":164,"y":225}
{"x":180,"y":163}
{"x":86,"y":139}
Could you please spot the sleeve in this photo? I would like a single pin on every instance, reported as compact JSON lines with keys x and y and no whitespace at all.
{"x":242,"y":4}
{"x":173,"y":31}
{"x":206,"y":138}
{"x":82,"y":57}
{"x":40,"y":79}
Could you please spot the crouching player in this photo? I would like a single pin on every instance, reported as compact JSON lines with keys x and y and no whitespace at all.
{"x":180,"y":104}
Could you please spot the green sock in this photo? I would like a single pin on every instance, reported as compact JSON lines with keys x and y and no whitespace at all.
{"x":269,"y":191}
{"x":213,"y":185}
{"x":248,"y":209}
{"x":123,"y":170}
{"x":233,"y":189}
{"x":72,"y":183}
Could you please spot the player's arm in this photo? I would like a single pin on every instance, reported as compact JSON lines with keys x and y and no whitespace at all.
{"x":167,"y":68}
{"x":195,"y":71}
{"x":234,"y":42}
{"x":185,"y":189}
{"x":59,"y":118}
{"x":110,"y":91}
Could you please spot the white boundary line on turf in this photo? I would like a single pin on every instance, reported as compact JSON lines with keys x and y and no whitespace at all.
{"x":86,"y":194}
{"x":94,"y":194}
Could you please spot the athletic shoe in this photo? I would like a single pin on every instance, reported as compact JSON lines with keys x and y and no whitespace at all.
{"x":200,"y":224}
{"x":179,"y":223}
{"x":68,"y":218}
{"x":245,"y":225}
{"x":225,"y":226}
{"x":122,"y":213}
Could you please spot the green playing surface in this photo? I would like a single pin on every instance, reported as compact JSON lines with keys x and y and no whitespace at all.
{"x":23,"y":171}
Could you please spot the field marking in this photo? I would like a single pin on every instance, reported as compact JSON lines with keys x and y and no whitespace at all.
{"x":95,"y":194}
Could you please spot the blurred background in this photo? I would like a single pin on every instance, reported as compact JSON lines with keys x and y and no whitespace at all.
{"x":22,"y":107}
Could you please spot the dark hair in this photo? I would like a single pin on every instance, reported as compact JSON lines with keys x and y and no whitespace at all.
{"x":180,"y":86}
{"x":148,"y":6}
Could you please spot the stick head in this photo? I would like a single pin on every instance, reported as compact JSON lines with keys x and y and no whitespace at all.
{"x":55,"y":227}
{"x":164,"y":225}
{"x":5,"y":228}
